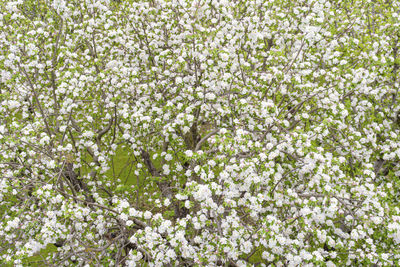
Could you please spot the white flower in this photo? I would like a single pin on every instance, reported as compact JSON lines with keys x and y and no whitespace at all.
{"x":305,"y":211}
{"x":178,"y":167}
{"x":123,"y":216}
{"x":187,"y":204}
{"x":133,"y":239}
{"x":51,"y":164}
{"x":45,"y":140}
{"x":168,"y":157}
{"x":189,"y":153}
{"x":224,"y":56}
{"x":354,"y":234}
{"x":202,"y":193}
{"x":210,"y":96}
{"x":328,"y":188}
{"x":377,"y":219}
{"x":167,"y":202}
{"x":171,"y":254}
{"x":166,"y":169}
{"x":180,"y":197}
{"x":306,"y":255}
{"x":212,"y":163}
{"x":147,"y":215}
{"x":246,"y":247}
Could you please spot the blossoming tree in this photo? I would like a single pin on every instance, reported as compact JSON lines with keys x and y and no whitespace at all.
{"x":200,"y":132}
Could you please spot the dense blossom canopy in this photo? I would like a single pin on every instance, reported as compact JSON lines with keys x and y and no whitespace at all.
{"x":200,"y":132}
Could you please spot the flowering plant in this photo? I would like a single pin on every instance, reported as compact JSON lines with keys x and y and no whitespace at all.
{"x":199,"y":132}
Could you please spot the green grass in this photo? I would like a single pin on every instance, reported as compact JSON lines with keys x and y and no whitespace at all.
{"x":40,"y":258}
